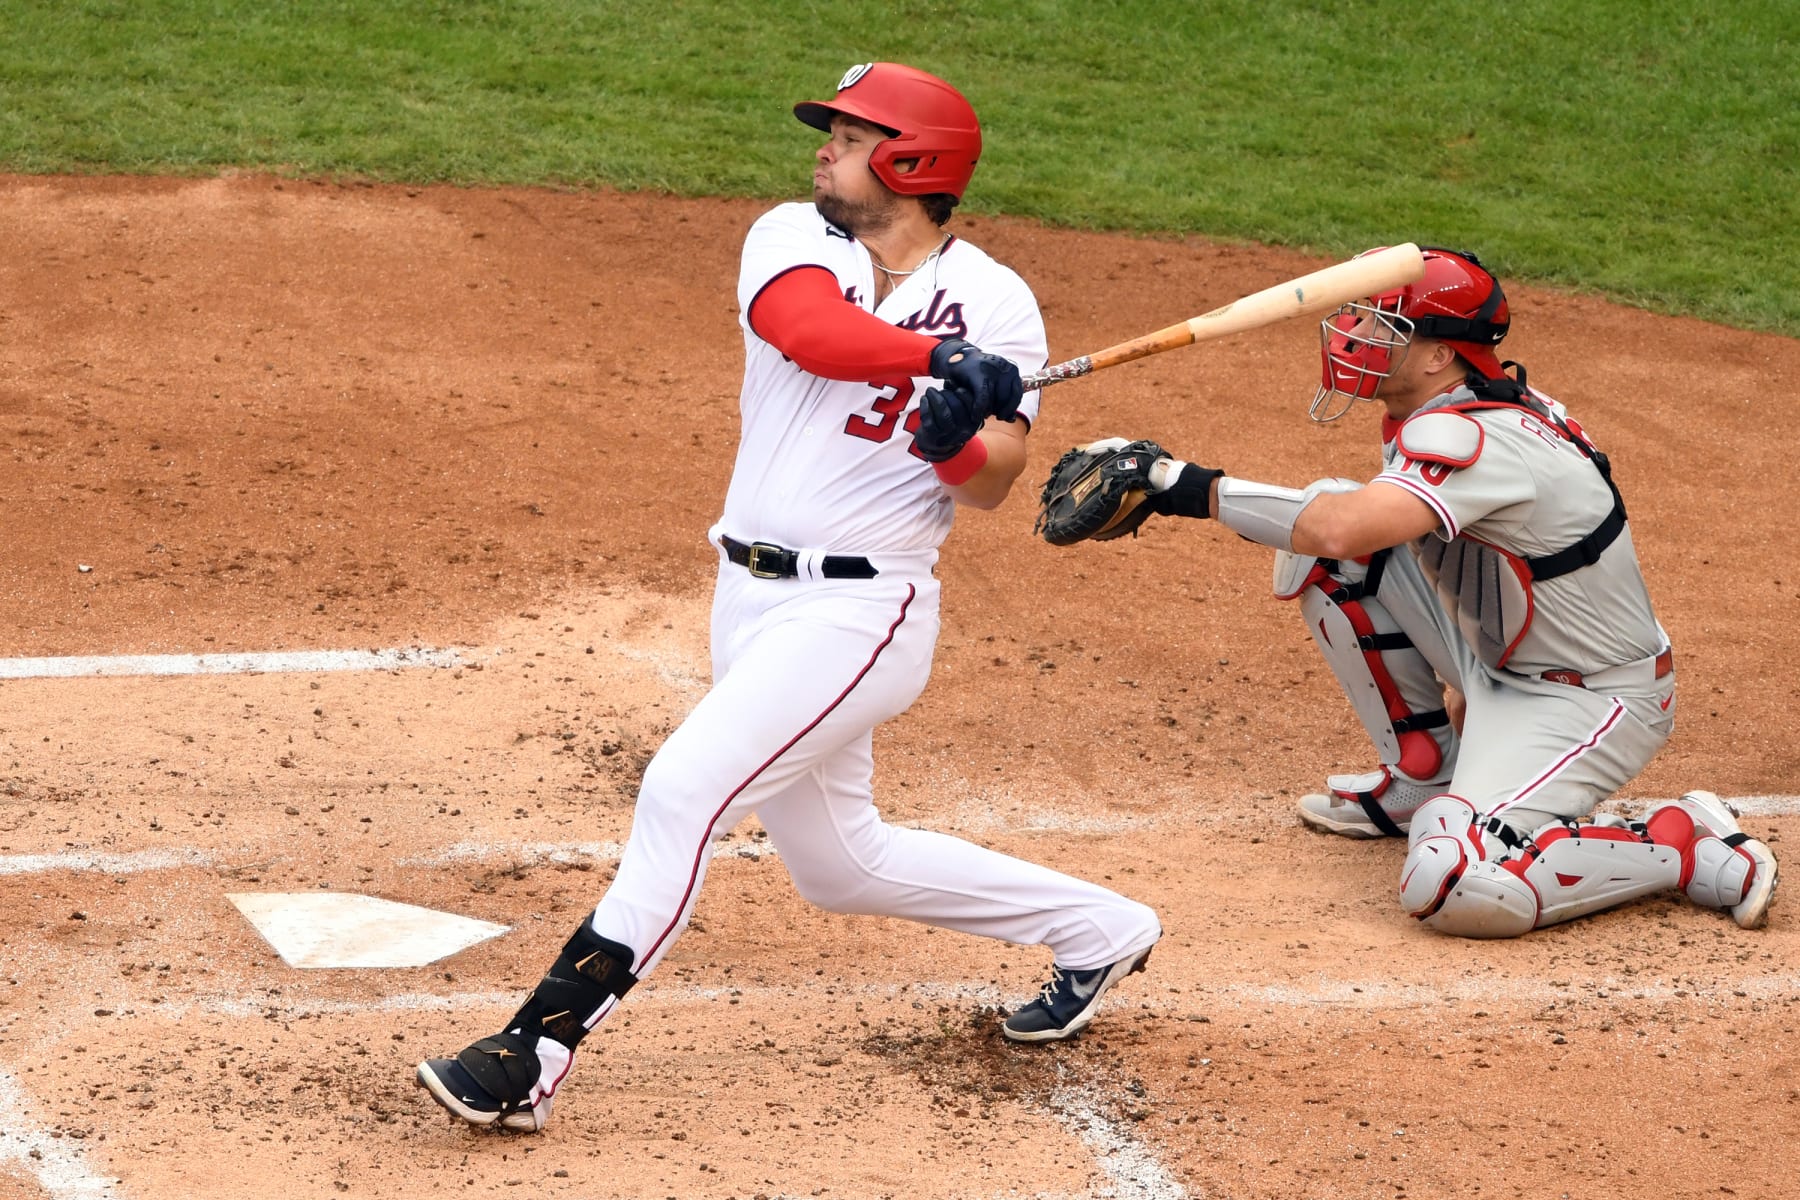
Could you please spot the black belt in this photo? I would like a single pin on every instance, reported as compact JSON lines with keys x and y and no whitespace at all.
{"x":767,"y":561}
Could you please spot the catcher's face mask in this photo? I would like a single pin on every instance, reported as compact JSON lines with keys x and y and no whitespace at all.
{"x":1359,"y":346}
{"x":1457,"y":302}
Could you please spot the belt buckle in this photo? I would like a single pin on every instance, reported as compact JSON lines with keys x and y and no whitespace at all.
{"x":753,"y":563}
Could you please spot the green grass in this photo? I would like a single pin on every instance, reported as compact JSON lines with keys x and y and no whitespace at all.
{"x":1640,"y":148}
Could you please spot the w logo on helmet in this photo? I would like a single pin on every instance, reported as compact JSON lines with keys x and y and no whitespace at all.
{"x":853,"y":74}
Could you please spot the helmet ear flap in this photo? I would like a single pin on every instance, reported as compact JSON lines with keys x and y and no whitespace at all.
{"x":928,"y":122}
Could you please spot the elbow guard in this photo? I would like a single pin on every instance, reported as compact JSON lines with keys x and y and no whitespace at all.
{"x":1265,"y":513}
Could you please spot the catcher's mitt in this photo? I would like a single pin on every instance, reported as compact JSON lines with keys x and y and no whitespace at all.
{"x":1097,"y":491}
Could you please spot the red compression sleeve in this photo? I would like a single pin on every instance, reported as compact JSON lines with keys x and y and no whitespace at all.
{"x":802,"y":314}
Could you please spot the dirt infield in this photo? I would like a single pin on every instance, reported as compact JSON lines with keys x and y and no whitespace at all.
{"x":246,"y":415}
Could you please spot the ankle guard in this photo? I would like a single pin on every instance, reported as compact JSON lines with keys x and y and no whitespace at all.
{"x":590,"y":971}
{"x":1719,"y":874}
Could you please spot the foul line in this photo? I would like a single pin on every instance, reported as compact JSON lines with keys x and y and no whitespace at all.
{"x":55,"y":1162}
{"x":1133,"y":1168}
{"x":228,"y":664}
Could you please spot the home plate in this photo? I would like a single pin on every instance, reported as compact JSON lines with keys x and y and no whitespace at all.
{"x":337,"y":929}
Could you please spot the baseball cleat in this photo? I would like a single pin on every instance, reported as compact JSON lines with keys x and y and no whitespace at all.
{"x":1068,"y":1001}
{"x":1343,"y":808}
{"x":490,"y":1083}
{"x":1746,"y":899}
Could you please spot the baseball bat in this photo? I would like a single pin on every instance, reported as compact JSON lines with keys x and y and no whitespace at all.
{"x":1309,"y":295}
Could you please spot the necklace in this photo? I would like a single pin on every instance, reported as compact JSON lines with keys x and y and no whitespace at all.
{"x":936,"y":250}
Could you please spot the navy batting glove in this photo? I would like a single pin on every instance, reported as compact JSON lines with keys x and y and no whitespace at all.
{"x":991,"y":382}
{"x":947,"y":420}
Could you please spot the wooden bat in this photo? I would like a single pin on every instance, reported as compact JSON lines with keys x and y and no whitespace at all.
{"x":1309,"y":295}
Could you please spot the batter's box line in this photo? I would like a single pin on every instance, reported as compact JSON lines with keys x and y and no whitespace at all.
{"x":1196,"y":1002}
{"x":264,"y":662}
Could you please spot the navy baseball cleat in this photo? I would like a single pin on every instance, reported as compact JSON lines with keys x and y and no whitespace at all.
{"x":495,"y":1081}
{"x":1068,"y":1001}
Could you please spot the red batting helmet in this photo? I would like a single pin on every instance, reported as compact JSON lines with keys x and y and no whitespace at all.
{"x":1456,"y":302}
{"x":926,"y":120}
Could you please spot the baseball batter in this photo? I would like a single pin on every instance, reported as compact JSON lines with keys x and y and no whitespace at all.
{"x":1481,"y":604}
{"x":825,"y":614}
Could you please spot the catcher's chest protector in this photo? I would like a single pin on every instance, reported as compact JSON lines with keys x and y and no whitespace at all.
{"x":1502,"y":462}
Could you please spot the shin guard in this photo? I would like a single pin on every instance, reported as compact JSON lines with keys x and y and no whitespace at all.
{"x":1396,"y":695}
{"x":590,"y":971}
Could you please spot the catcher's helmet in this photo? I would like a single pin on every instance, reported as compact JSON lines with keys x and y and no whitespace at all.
{"x":926,"y":120}
{"x":1456,"y":302}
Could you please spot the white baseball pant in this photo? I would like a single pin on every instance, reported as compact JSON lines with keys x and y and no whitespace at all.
{"x":803,"y":672}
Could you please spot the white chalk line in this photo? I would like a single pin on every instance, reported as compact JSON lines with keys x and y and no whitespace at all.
{"x":258,"y":662}
{"x":100,"y":861}
{"x":1424,"y":999}
{"x":1133,"y":1168}
{"x":575,"y":853}
{"x":563,"y":853}
{"x":459,"y":853}
{"x":56,"y":1163}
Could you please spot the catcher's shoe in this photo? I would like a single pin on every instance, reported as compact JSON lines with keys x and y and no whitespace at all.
{"x":494,"y":1081}
{"x":1379,"y":804}
{"x":1066,"y":1004}
{"x":1730,"y":869}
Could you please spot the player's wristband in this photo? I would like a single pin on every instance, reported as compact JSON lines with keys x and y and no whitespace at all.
{"x":961,"y":467}
{"x":1186,"y":492}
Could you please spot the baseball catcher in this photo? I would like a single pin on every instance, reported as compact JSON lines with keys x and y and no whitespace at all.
{"x":1488,"y":572}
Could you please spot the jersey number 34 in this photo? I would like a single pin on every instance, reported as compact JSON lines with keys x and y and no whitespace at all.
{"x":896,"y":394}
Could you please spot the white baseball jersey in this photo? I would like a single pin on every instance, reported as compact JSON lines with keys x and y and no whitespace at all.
{"x":1508,"y":486}
{"x":824,"y":464}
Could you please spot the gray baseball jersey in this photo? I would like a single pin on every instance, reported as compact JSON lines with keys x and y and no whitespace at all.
{"x":1510,"y":487}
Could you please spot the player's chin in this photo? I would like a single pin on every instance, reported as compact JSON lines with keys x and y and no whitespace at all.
{"x":832,"y":209}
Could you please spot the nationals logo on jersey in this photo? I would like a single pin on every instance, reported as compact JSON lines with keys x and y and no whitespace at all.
{"x":936,"y":318}
{"x":944,"y":320}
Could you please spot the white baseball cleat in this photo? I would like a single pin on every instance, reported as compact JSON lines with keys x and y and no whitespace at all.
{"x":1344,"y":807}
